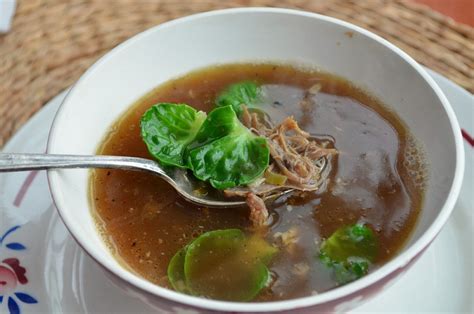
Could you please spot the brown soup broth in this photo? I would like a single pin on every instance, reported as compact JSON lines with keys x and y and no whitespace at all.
{"x":375,"y":179}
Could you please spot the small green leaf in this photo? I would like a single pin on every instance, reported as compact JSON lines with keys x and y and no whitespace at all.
{"x":246,"y":92}
{"x":352,"y":269}
{"x":222,"y":264}
{"x":225,"y":152}
{"x":218,"y":266}
{"x":349,"y":252}
{"x":168,"y":128}
{"x":347,"y":271}
{"x":357,"y":240}
{"x":176,"y":271}
{"x":218,"y":149}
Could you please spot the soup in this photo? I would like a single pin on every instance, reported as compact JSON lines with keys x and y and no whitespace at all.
{"x":373,"y":189}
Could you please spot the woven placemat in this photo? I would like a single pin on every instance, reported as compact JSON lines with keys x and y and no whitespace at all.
{"x":52,"y":42}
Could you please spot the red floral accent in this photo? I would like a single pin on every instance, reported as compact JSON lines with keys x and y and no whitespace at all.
{"x":8,"y":281}
{"x":20,"y":271}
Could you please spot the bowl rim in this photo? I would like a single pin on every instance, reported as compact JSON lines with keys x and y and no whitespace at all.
{"x":397,"y":262}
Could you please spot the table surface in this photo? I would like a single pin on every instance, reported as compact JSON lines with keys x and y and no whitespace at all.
{"x":461,"y":11}
{"x":52,"y":42}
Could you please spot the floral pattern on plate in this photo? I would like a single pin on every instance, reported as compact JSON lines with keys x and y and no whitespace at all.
{"x":13,"y":276}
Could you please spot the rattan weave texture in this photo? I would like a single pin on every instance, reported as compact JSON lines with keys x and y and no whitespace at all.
{"x":52,"y":42}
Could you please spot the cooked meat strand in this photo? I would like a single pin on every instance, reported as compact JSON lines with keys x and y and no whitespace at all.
{"x":294,"y":154}
{"x":288,"y":239}
{"x":314,"y":152}
{"x":263,"y":189}
{"x":258,"y":211}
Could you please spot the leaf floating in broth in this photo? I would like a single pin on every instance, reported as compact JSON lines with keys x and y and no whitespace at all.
{"x":350,"y":270}
{"x":176,"y":271}
{"x":246,"y":92}
{"x":222,"y":264}
{"x":168,"y":128}
{"x":225,"y":265}
{"x":356,"y":240}
{"x":353,"y":269}
{"x":349,"y":252}
{"x":225,"y":152}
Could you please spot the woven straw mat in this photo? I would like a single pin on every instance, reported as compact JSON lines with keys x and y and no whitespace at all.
{"x":52,"y":42}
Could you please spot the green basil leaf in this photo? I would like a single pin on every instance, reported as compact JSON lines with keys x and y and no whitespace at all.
{"x":219,"y":265}
{"x":351,"y":269}
{"x":351,"y":241}
{"x":246,"y":92}
{"x":225,"y":152}
{"x":349,"y":252}
{"x":354,"y":268}
{"x":168,"y":128}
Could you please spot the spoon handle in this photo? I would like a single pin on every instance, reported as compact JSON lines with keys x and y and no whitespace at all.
{"x":23,"y":162}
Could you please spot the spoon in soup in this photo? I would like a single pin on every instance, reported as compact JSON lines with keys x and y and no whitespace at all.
{"x":191,"y":189}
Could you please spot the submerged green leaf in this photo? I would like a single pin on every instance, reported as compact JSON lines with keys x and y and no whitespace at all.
{"x":222,"y":264}
{"x":168,"y":128}
{"x":225,"y":152}
{"x":246,"y":92}
{"x":176,"y":271}
{"x":351,"y":269}
{"x":356,"y":240}
{"x":256,"y":248}
{"x":349,"y":252}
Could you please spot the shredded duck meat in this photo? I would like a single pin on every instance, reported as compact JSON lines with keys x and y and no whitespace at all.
{"x":297,"y":160}
{"x":258,"y":211}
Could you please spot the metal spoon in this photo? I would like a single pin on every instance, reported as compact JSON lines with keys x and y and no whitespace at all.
{"x":186,"y":185}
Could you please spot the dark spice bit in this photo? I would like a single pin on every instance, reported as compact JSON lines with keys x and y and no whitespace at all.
{"x":277,"y":103}
{"x":134,"y":243}
{"x":108,"y":173}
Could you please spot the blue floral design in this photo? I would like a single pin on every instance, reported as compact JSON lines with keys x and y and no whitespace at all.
{"x":12,"y":245}
{"x":12,"y":274}
{"x":13,"y":306}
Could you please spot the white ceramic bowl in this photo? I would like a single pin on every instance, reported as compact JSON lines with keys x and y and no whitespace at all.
{"x":169,"y":50}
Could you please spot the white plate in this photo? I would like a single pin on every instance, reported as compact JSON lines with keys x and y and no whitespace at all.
{"x":63,"y":279}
